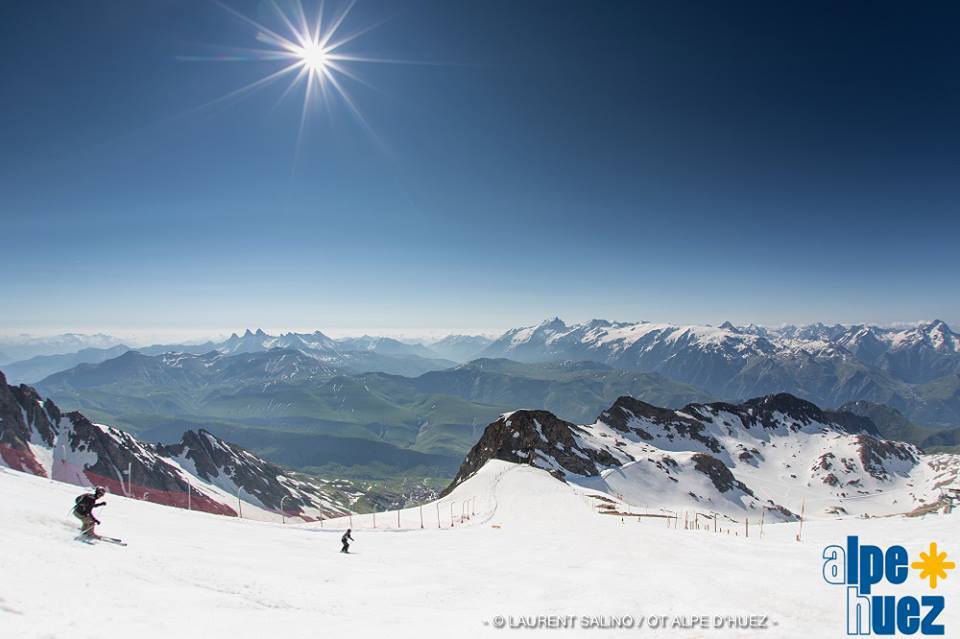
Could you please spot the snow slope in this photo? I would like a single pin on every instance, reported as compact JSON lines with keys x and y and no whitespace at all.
{"x":535,"y":547}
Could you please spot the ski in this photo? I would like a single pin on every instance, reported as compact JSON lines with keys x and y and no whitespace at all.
{"x":112,"y":540}
{"x":87,"y":539}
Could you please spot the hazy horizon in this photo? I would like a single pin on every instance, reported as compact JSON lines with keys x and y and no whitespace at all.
{"x":157,"y":336}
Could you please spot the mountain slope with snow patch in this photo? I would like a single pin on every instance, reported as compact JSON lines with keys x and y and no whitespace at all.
{"x":775,"y":453}
{"x":202,"y":472}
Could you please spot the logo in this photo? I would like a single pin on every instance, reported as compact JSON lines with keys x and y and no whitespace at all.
{"x":862,"y":568}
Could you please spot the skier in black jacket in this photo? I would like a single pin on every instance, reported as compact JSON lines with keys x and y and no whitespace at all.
{"x":346,"y":539}
{"x":83,"y":510}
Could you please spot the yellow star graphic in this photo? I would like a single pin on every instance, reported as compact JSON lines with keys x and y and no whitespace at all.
{"x":934,"y":565}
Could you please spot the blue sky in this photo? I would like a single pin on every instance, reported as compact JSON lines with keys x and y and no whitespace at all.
{"x":628,"y":160}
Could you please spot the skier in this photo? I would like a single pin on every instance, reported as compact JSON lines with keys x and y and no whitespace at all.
{"x":346,"y":539}
{"x":83,"y":510}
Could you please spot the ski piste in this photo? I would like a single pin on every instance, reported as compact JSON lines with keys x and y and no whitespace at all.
{"x":205,"y":566}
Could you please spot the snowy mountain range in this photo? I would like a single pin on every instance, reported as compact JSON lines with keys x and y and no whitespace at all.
{"x":776,"y":453}
{"x":915,"y":370}
{"x":352,"y":355}
{"x":202,"y":471}
{"x":452,"y":348}
{"x":349,"y":354}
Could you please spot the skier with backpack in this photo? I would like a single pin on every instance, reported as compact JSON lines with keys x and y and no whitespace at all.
{"x":346,"y":539}
{"x":83,"y":510}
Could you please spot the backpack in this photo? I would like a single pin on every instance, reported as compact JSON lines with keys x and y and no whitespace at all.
{"x":79,"y":505}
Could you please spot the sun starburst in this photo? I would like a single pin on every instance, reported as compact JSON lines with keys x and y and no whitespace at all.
{"x":310,"y":53}
{"x":934,"y":565}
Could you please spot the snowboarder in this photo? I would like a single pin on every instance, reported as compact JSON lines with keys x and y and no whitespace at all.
{"x":83,"y":510}
{"x":346,"y":539}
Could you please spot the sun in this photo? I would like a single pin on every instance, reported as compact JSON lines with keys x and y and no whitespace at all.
{"x":310,"y":53}
{"x":314,"y":58}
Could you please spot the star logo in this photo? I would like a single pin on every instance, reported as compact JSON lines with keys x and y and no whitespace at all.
{"x":934,"y":565}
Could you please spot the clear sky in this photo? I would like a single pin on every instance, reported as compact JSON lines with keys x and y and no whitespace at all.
{"x":670,"y":161}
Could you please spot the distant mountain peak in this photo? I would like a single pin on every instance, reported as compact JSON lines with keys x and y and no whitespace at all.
{"x":553,"y":324}
{"x":937,"y":325}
